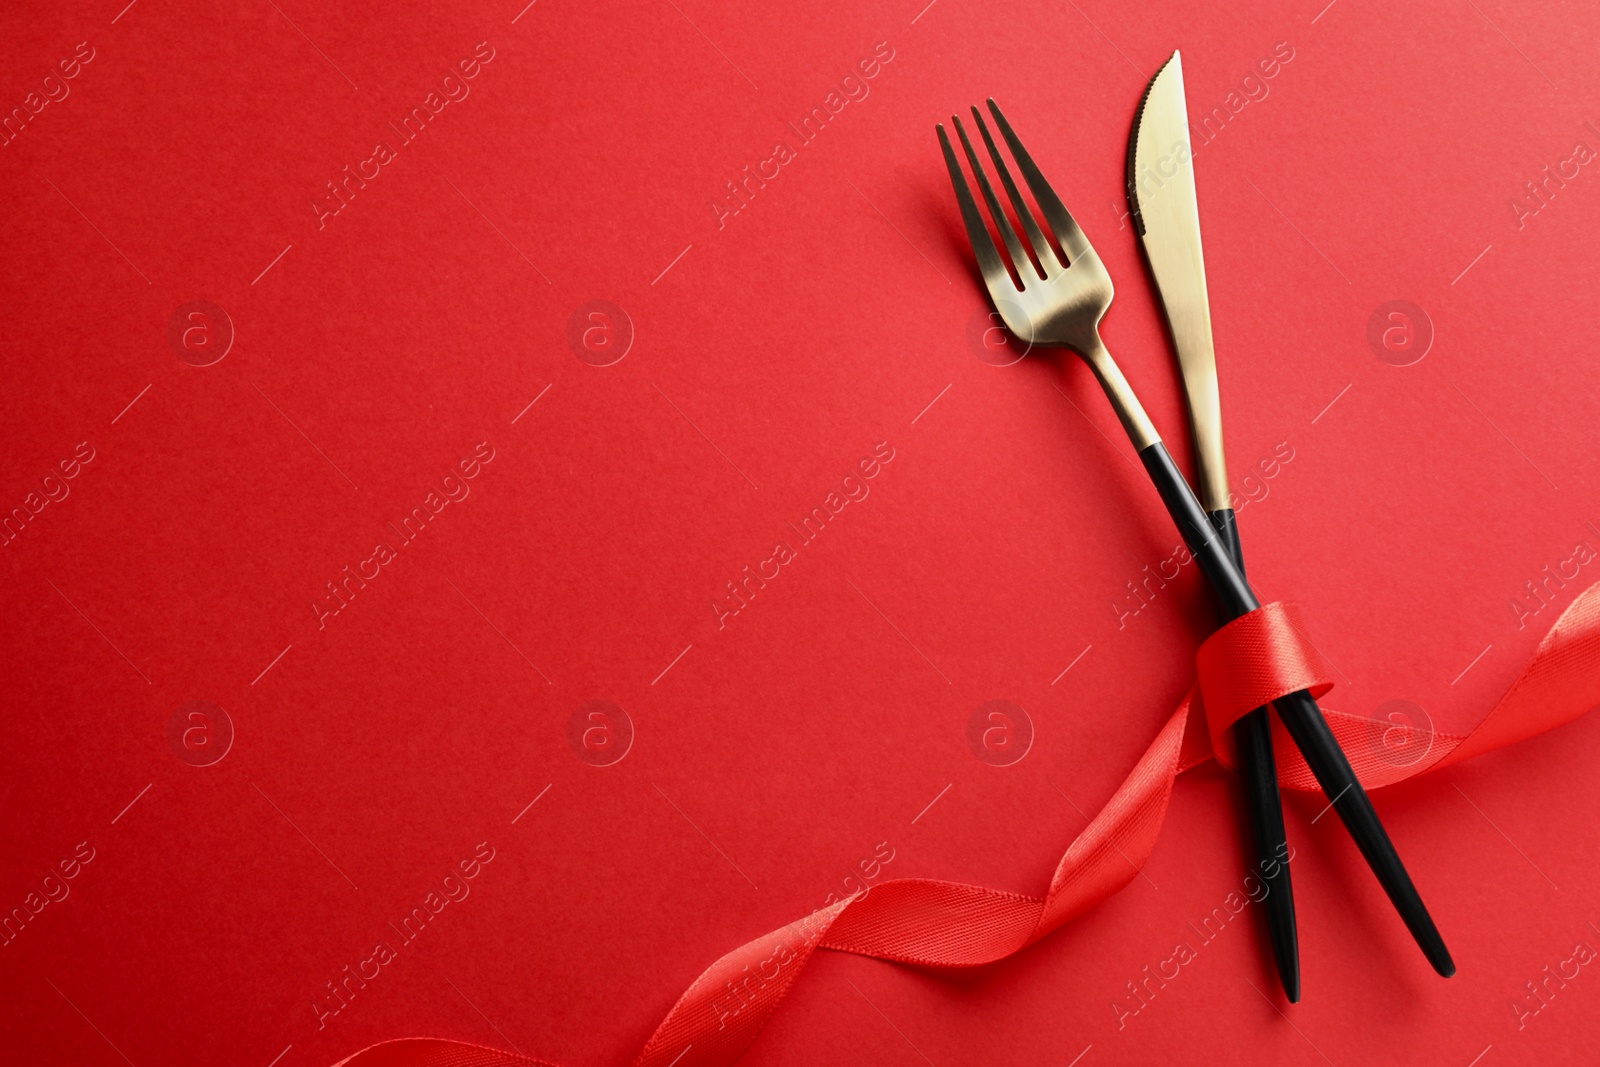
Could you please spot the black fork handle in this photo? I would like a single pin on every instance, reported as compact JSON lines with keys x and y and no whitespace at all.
{"x":1252,"y":737}
{"x":1299,"y":712}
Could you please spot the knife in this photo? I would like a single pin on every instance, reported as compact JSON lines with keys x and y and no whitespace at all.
{"x":1161,"y":195}
{"x":1166,"y":216}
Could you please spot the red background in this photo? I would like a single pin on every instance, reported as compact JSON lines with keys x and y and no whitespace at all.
{"x":777,"y":350}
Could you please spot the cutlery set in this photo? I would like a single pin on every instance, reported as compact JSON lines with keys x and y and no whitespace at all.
{"x":1054,"y":293}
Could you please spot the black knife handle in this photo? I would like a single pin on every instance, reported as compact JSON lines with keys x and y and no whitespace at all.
{"x":1252,"y":737}
{"x":1299,"y":712}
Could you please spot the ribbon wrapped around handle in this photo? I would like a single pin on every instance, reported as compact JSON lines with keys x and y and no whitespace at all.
{"x":1249,"y":663}
{"x":933,"y":923}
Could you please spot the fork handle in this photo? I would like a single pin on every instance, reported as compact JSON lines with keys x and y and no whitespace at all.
{"x":1299,"y":712}
{"x":1252,"y":737}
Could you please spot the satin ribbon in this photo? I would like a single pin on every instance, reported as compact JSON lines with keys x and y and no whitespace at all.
{"x":932,"y":923}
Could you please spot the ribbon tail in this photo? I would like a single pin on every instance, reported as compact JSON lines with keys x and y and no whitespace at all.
{"x":1118,"y":841}
{"x":435,"y":1052}
{"x":1560,"y":684}
{"x":932,"y":923}
{"x":719,"y":1016}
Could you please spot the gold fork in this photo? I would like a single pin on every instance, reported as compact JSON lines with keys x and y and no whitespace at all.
{"x":1059,"y":301}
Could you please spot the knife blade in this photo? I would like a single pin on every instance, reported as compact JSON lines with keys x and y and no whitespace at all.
{"x":1166,"y":216}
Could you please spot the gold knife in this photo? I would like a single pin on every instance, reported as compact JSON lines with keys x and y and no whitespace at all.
{"x":1166,"y":216}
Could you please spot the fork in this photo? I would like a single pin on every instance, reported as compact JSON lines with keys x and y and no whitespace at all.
{"x":1057,"y":299}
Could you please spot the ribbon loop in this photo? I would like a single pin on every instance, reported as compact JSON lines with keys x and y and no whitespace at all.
{"x":1252,"y":661}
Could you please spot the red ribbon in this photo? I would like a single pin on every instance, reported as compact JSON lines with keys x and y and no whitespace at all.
{"x":931,"y":923}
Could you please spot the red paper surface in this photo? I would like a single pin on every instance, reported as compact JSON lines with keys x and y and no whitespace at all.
{"x":765,"y":354}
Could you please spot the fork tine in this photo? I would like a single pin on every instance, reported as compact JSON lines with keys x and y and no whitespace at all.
{"x":1067,"y":231}
{"x":989,"y":262}
{"x":1019,"y":258}
{"x":1046,"y":255}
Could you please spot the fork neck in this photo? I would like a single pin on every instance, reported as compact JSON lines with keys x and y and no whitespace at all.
{"x":1140,"y":430}
{"x":1208,"y":548}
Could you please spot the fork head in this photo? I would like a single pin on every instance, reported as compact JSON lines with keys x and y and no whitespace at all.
{"x":1056,"y":295}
